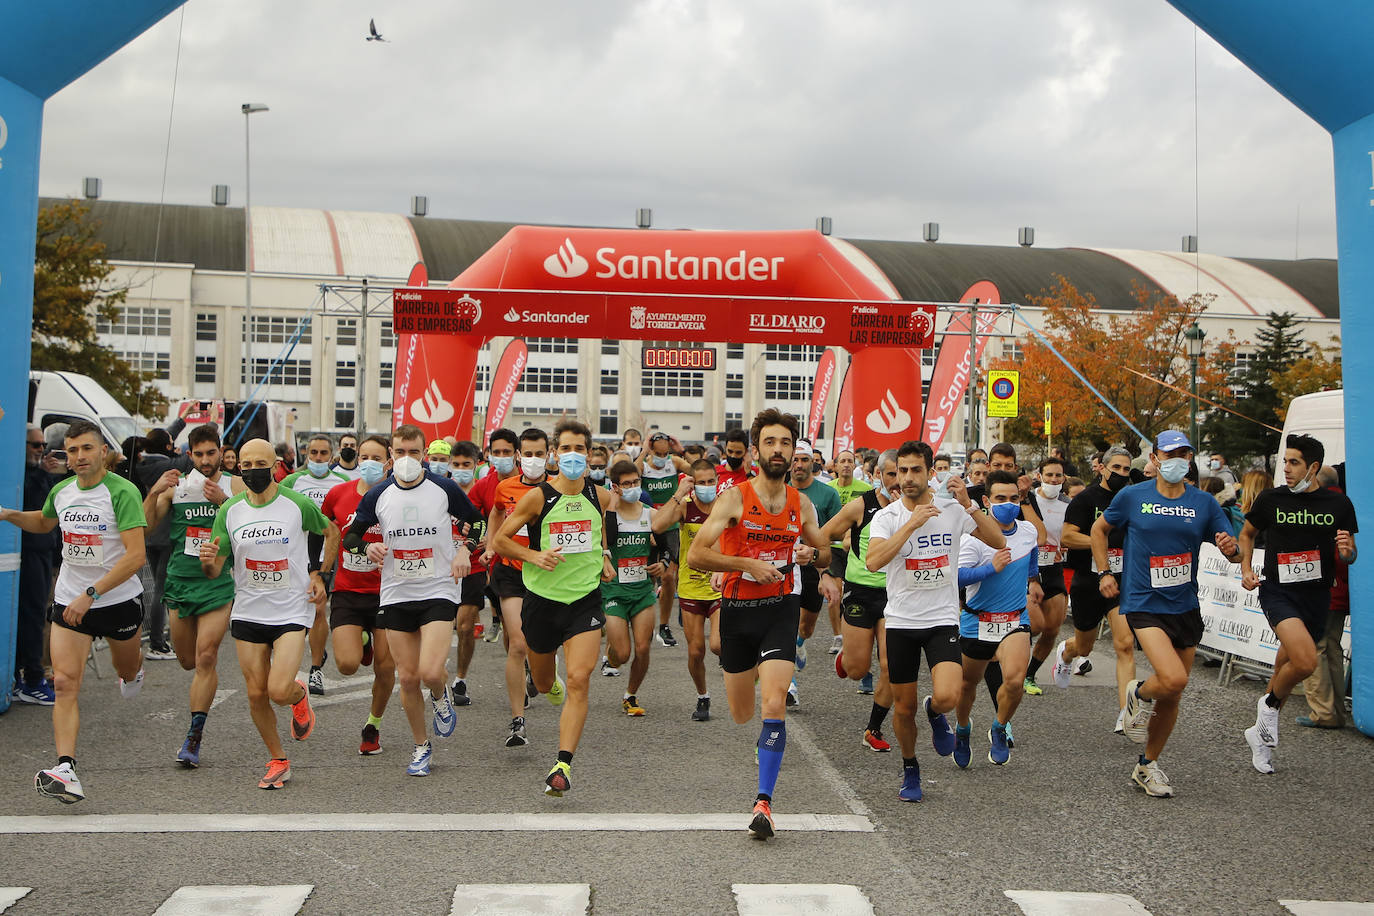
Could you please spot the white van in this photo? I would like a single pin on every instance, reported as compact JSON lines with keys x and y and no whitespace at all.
{"x":1322,"y":416}
{"x":61,"y":397}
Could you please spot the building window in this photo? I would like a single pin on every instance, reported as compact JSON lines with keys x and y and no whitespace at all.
{"x":288,"y":372}
{"x":205,"y":369}
{"x":159,"y":364}
{"x":734,"y":421}
{"x":346,"y":332}
{"x":610,"y":347}
{"x":277,"y":329}
{"x":795,"y":353}
{"x":207,"y":326}
{"x":551,"y":344}
{"x":610,"y":423}
{"x":548,"y":380}
{"x":610,"y":381}
{"x":734,"y":351}
{"x":343,"y":415}
{"x":1011,"y":349}
{"x":786,"y":388}
{"x":386,"y":375}
{"x":345,"y":374}
{"x":388,"y":335}
{"x":138,"y":321}
{"x":483,"y":382}
{"x":670,"y":383}
{"x":734,"y":384}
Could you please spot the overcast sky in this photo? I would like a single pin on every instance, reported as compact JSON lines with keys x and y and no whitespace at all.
{"x":1072,"y":116}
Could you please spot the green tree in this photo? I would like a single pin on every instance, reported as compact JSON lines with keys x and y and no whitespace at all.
{"x":1279,"y":347}
{"x":71,"y":290}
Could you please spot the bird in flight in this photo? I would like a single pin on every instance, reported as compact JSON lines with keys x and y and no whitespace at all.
{"x":372,"y":27}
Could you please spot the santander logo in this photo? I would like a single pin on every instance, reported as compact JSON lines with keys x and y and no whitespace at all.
{"x":565,"y":262}
{"x":431,"y":407}
{"x":888,"y":417}
{"x":511,"y":315}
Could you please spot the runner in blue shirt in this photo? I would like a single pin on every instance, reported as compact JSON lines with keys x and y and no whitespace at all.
{"x":1166,"y":522}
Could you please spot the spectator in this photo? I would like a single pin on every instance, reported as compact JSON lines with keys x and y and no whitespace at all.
{"x":1217,"y":467}
{"x":286,"y":462}
{"x":229,"y":460}
{"x":158,"y":457}
{"x":1325,"y":687}
{"x":1069,"y":469}
{"x":1225,"y":496}
{"x":35,"y":576}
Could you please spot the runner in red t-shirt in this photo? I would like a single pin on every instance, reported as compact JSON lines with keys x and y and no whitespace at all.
{"x":735,"y":469}
{"x":463,"y":468}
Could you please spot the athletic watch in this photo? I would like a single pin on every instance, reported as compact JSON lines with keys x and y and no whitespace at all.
{"x":92,"y":593}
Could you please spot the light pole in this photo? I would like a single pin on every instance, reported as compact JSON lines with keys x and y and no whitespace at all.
{"x":249,"y":108}
{"x":1194,"y":336}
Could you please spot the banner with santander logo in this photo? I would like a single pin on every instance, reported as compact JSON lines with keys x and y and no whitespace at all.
{"x":844,"y":416}
{"x":949,"y":382}
{"x":504,"y":381}
{"x":820,"y":393}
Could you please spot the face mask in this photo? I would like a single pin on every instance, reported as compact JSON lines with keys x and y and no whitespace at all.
{"x":633,"y":450}
{"x":706,"y":494}
{"x":631,"y":494}
{"x":463,"y":476}
{"x":503,"y":464}
{"x":408,"y":469}
{"x":371,"y":470}
{"x":1214,"y":464}
{"x":439,"y":467}
{"x":1173,"y":469}
{"x":1005,"y":513}
{"x":598,"y":474}
{"x":318,"y":468}
{"x":734,"y":461}
{"x":1117,"y":482}
{"x":1301,"y":486}
{"x":1051,"y":490}
{"x":347,"y":454}
{"x":572,"y":465}
{"x":659,"y":461}
{"x":532,"y":467}
{"x":257,"y":479}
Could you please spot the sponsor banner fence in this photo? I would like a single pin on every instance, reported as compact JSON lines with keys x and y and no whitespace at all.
{"x":1232,"y":617}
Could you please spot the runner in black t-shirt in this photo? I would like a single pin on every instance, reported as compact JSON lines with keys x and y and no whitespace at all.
{"x":1305,"y":528}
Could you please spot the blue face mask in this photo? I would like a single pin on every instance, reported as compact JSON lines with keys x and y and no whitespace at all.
{"x":1005,"y":513}
{"x":318,"y":468}
{"x":503,"y":464}
{"x":598,"y":474}
{"x":630,"y":494}
{"x":706,"y":494}
{"x":660,"y":461}
{"x":572,"y":465}
{"x":1173,"y":469}
{"x":439,"y":467}
{"x":371,"y":470}
{"x":463,"y":475}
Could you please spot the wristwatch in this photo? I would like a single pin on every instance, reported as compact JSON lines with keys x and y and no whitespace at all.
{"x":92,"y":593}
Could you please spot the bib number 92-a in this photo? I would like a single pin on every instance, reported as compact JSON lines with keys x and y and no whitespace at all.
{"x":928,"y":572}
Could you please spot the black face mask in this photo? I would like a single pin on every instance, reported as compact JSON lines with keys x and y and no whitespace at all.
{"x":256,"y":479}
{"x":347,"y":454}
{"x":1117,"y":482}
{"x":734,"y":461}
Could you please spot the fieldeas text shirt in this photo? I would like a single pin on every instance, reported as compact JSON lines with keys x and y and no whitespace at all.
{"x":923,"y":579}
{"x":1300,"y":531}
{"x":270,"y":562}
{"x":90,"y":522}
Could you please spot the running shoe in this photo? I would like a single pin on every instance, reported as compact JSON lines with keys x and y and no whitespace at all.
{"x":1062,"y":671}
{"x":1120,"y":727}
{"x":836,"y":645}
{"x":999,"y":752}
{"x":874,"y":741}
{"x":801,"y":654}
{"x":761,"y":826}
{"x":1152,"y":779}
{"x":459,"y":694}
{"x":866,"y":685}
{"x":607,"y":670}
{"x":1082,"y":665}
{"x":703,"y":711}
{"x":793,"y":700}
{"x":517,"y":738}
{"x":963,"y":753}
{"x":160,"y":654}
{"x":477,"y":629}
{"x":1266,"y":722}
{"x":60,"y":783}
{"x":129,"y":689}
{"x":302,"y":716}
{"x":371,"y":745}
{"x":556,"y":692}
{"x":1138,"y":713}
{"x":941,"y":735}
{"x":367,"y":652}
{"x":631,"y":707}
{"x":276,"y":775}
{"x":665,"y":636}
{"x":839,"y":665}
{"x":531,"y":691}
{"x":1032,"y":689}
{"x":1261,"y":754}
{"x":317,"y":681}
{"x":445,"y":719}
{"x":559,"y":780}
{"x":1011,"y":742}
{"x":911,"y":784}
{"x":39,"y":693}
{"x":189,"y":755}
{"x":492,"y":634}
{"x":419,"y":760}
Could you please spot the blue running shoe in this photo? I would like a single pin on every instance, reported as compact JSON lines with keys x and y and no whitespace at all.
{"x":39,"y":693}
{"x":189,"y":755}
{"x":999,"y":753}
{"x":941,"y":735}
{"x":866,"y":685}
{"x":962,"y":752}
{"x":445,"y":719}
{"x":419,"y":760}
{"x":801,"y":653}
{"x":911,"y":784}
{"x":1011,"y":742}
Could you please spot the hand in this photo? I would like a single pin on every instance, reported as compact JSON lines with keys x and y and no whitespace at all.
{"x":209,"y":550}
{"x":1035,"y":594}
{"x":316,"y":593}
{"x":685,"y":488}
{"x":1001,"y":559}
{"x":1107,"y":587}
{"x":1226,"y":544}
{"x":488,"y":556}
{"x":923,"y":514}
{"x":655,"y":569}
{"x":958,"y":489}
{"x":167,"y":481}
{"x":462,"y":564}
{"x":1249,"y":581}
{"x":73,"y":613}
{"x":549,"y":559}
{"x":806,"y":554}
{"x":830,"y":588}
{"x":53,"y":464}
{"x":764,"y":573}
{"x":1345,"y":544}
{"x":1023,"y":483}
{"x":607,"y":569}
{"x":376,"y":552}
{"x":214,"y":494}
{"x":717,"y":581}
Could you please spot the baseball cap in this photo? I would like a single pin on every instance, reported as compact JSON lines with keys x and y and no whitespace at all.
{"x":1171,"y":439}
{"x":439,"y":447}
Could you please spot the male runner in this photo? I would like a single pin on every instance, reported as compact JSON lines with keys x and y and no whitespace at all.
{"x":759,"y":524}
{"x":198,"y":607}
{"x":563,"y":566}
{"x":1166,"y":522}
{"x":276,"y":580}
{"x":438,"y":458}
{"x":632,"y":443}
{"x":347,"y":463}
{"x":502,"y":448}
{"x":1050,"y":503}
{"x":826,"y":501}
{"x":421,"y":574}
{"x":995,"y":621}
{"x":1085,"y":598}
{"x":97,"y":591}
{"x":1305,"y":527}
{"x":692,"y":506}
{"x":357,"y":584}
{"x":660,"y":471}
{"x":916,"y":541}
{"x":848,"y":486}
{"x":634,"y":557}
{"x":463,"y":468}
{"x":734,"y":468}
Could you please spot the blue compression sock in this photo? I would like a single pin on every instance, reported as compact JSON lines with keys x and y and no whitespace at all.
{"x":772,"y":741}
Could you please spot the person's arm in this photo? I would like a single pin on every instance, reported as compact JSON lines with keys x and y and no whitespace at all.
{"x":495,"y":519}
{"x":526,"y":511}
{"x":364,"y":517}
{"x":885,"y":545}
{"x":1221,"y":533}
{"x":460,"y":508}
{"x":704,"y":556}
{"x":1106,"y":582}
{"x":215,"y":551}
{"x":34,"y":521}
{"x":127,"y":566}
{"x":159,"y":499}
{"x":985,"y":527}
{"x":1248,"y":580}
{"x":671,"y":512}
{"x":1071,"y":538}
{"x":972,"y":575}
{"x":1030,"y":511}
{"x":813,"y":536}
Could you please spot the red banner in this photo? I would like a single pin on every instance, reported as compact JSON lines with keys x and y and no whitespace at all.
{"x":887,"y":397}
{"x":844,"y":416}
{"x":434,"y":379}
{"x":949,"y":382}
{"x":504,"y":381}
{"x":820,"y":393}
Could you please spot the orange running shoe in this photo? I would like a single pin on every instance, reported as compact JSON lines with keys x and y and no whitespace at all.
{"x":761,"y":827}
{"x":278,"y":772}
{"x":302,"y":716}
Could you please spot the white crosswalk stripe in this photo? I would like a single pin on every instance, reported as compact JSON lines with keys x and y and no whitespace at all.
{"x":800,"y":900}
{"x":533,"y":899}
{"x":10,"y":895}
{"x":1327,"y":908}
{"x":1068,"y":903}
{"x":236,"y":900}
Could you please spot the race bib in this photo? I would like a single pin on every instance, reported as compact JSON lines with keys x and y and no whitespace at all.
{"x":267,"y":574}
{"x":1115,"y":560}
{"x":997,"y":627}
{"x":414,"y":564}
{"x":1166,"y":572}
{"x":358,"y":562}
{"x":1300,"y":567}
{"x":574,"y":536}
{"x":83,"y":549}
{"x":774,"y":558}
{"x":931,"y":572}
{"x":194,"y":538}
{"x":1050,"y":555}
{"x":632,"y":570}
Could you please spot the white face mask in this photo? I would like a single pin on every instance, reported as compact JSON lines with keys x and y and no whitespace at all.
{"x":1051,"y":490}
{"x":532,"y":467}
{"x":633,"y":450}
{"x":407,"y":469}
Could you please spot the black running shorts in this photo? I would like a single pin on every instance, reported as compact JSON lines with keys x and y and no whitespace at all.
{"x":1184,"y":630}
{"x":862,"y":605}
{"x":1310,"y":605}
{"x":758,"y":630}
{"x":409,"y":616}
{"x":983,"y":651}
{"x":1086,"y":603}
{"x":941,"y":644}
{"x":353,"y":609}
{"x":114,"y":621}
{"x":669,"y":546}
{"x":1052,"y":580}
{"x":507,"y":581}
{"x":474,"y":584}
{"x":548,"y":624}
{"x":264,"y":634}
{"x":811,"y":589}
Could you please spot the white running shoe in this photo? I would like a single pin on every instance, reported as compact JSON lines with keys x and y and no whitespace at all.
{"x":1062,"y":671}
{"x":836,"y":645}
{"x":1138,"y":713}
{"x":1267,"y":722}
{"x":60,"y":783}
{"x":129,"y":689}
{"x":1261,"y":754}
{"x":1152,"y":779}
{"x":1120,"y":727}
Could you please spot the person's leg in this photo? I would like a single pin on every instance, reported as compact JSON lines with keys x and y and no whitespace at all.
{"x":348,"y":648}
{"x":1295,"y":660}
{"x":739,"y":694}
{"x":209,"y":629}
{"x":183,"y":631}
{"x":694,"y":630}
{"x":516,"y":654}
{"x":580,"y":654}
{"x":713,"y":622}
{"x":35,"y":577}
{"x":774,"y":678}
{"x":69,"y":650}
{"x":1123,"y":644}
{"x":1012,"y":654}
{"x":882,"y":693}
{"x":642,"y":627}
{"x":319,"y":633}
{"x":467,"y":619}
{"x":1324,"y":687}
{"x":288,"y":651}
{"x":617,"y":640}
{"x":904,"y":717}
{"x":383,"y":671}
{"x":126,"y":656}
{"x":807,"y":625}
{"x":435,"y":637}
{"x":1052,"y":612}
{"x":946,"y":679}
{"x":858,"y":649}
{"x":972,"y":673}
{"x":1165,"y":686}
{"x":155,"y":608}
{"x":255,"y":661}
{"x":405,"y":649}
{"x":667,"y":592}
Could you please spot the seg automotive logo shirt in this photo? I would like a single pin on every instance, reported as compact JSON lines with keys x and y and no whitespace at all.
{"x":923,"y":579}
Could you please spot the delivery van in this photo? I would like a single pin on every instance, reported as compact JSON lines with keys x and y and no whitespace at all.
{"x":1322,"y":416}
{"x":61,"y":397}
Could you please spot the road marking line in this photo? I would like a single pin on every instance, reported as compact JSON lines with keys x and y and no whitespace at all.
{"x":535,"y":899}
{"x":9,"y":896}
{"x":236,"y":900}
{"x":733,"y":822}
{"x":801,"y":736}
{"x":800,"y":900}
{"x":1069,"y":903}
{"x":221,"y":696}
{"x":1327,"y":908}
{"x":331,"y":699}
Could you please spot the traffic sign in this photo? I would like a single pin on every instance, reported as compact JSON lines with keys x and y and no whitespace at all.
{"x":1003,"y":391}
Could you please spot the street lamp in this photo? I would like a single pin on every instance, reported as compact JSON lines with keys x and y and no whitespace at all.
{"x":1194,"y":336}
{"x":248,"y":108}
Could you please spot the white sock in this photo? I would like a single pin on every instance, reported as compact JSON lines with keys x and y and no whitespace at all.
{"x":703,"y":696}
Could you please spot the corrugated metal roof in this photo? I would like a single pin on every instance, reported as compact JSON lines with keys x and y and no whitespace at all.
{"x":450,"y":245}
{"x":375,"y":244}
{"x":1314,"y":279}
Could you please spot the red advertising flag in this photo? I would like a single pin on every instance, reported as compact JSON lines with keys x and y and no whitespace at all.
{"x":435,"y":374}
{"x":950,"y":379}
{"x":820,"y":393}
{"x":844,"y":416}
{"x":504,"y":381}
{"x":887,"y":397}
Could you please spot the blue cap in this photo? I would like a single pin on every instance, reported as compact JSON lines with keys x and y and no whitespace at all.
{"x":1171,"y":439}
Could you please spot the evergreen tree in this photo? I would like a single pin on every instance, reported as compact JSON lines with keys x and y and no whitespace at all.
{"x":1279,"y":345}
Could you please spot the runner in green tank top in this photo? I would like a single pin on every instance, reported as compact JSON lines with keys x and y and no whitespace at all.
{"x":199,"y":606}
{"x":634,"y":554}
{"x":562,"y":569}
{"x":660,"y":466}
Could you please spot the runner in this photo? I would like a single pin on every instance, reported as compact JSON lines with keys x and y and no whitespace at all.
{"x":1049,"y":502}
{"x":347,"y":464}
{"x":502,"y":448}
{"x":1085,"y":598}
{"x":864,"y":596}
{"x":634,"y":557}
{"x":916,"y":541}
{"x":357,"y":582}
{"x":660,"y":472}
{"x":700,"y":603}
{"x":1305,"y":526}
{"x":759,"y":524}
{"x":421,"y":574}
{"x":198,"y":607}
{"x":439,"y":458}
{"x":995,"y":621}
{"x":1166,"y":522}
{"x":848,"y":486}
{"x":463,"y":464}
{"x":264,"y":529}
{"x":734,"y":468}
{"x":826,"y":501}
{"x":563,"y":566}
{"x":97,"y":591}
